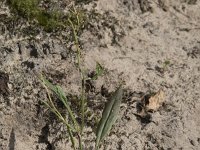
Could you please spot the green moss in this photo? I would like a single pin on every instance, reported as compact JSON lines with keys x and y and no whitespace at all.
{"x":50,"y":21}
{"x":25,"y":8}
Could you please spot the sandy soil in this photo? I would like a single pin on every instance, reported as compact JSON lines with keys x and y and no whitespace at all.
{"x":150,"y":45}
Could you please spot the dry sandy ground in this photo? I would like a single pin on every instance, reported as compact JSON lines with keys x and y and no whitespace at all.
{"x":150,"y":45}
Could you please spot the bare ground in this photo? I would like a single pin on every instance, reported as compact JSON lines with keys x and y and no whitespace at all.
{"x":150,"y":45}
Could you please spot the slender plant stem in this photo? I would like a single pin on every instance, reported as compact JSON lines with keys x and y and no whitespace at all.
{"x":54,"y":109}
{"x":75,"y":123}
{"x":80,"y":142}
{"x":77,"y":129}
{"x":82,"y":76}
{"x":71,"y":138}
{"x":58,"y":114}
{"x":63,"y":98}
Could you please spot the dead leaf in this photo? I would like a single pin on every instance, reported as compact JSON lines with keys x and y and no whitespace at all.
{"x":149,"y":103}
{"x":155,"y":101}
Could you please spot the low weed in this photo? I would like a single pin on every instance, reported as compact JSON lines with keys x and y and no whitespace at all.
{"x":74,"y":127}
{"x":50,"y":21}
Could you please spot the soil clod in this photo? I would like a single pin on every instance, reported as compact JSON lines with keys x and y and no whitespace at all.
{"x":4,"y":78}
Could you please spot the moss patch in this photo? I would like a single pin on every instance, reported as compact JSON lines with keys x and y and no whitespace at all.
{"x":49,"y":20}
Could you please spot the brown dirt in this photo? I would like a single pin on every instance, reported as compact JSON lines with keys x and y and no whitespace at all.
{"x":150,"y":45}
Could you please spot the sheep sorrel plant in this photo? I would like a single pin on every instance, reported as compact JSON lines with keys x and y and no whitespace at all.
{"x":74,"y":128}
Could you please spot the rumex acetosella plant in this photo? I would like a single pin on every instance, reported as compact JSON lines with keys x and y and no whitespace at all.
{"x":74,"y":128}
{"x":50,"y":20}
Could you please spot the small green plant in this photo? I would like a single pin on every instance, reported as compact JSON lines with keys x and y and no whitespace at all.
{"x":98,"y":71}
{"x":74,"y":128}
{"x":166,"y":64}
{"x":109,"y":114}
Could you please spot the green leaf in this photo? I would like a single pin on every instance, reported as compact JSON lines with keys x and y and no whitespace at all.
{"x":99,"y":71}
{"x":61,"y":95}
{"x":57,"y":90}
{"x":109,"y":116}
